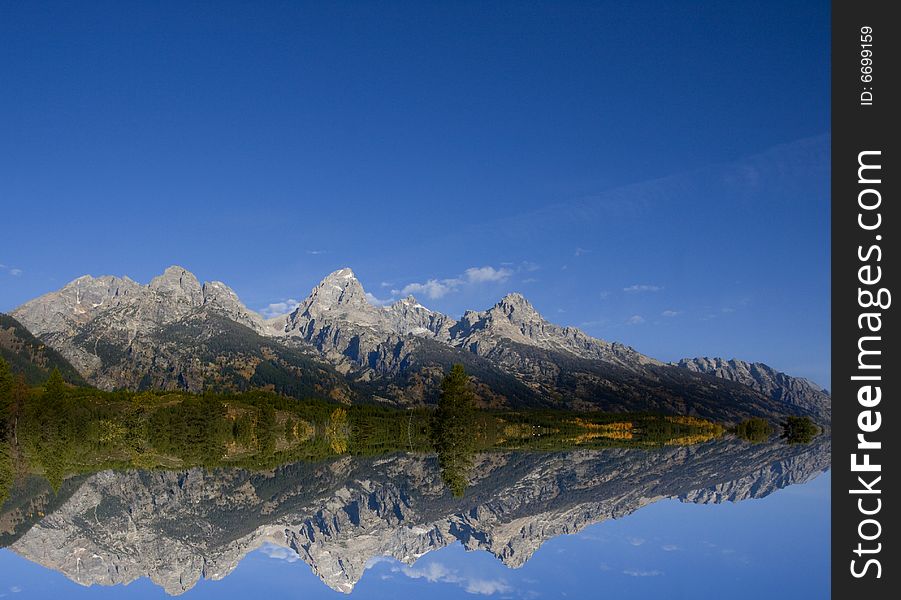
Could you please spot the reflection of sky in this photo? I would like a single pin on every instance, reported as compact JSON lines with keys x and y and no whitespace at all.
{"x":776,"y":547}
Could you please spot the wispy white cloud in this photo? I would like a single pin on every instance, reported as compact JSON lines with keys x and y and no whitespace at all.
{"x":316,"y":252}
{"x":671,"y":313}
{"x":436,"y":572}
{"x":15,"y":272}
{"x":279,"y":553}
{"x":670,"y":548}
{"x":641,"y":573}
{"x":593,"y":323}
{"x":581,"y":252}
{"x":642,"y":287}
{"x":281,"y":307}
{"x":433,"y":288}
{"x":486,"y":274}
{"x":635,"y":320}
{"x":378,"y":301}
{"x":438,"y":288}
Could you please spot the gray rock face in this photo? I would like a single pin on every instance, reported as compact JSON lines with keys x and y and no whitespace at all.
{"x":118,"y":333}
{"x":179,"y":527}
{"x":793,"y":391}
{"x":515,"y":319}
{"x":174,"y":333}
{"x":359,"y":338}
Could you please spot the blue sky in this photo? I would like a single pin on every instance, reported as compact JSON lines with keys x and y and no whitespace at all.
{"x":653,"y":172}
{"x":775,"y":547}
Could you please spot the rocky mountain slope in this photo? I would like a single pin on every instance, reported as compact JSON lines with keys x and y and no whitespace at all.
{"x":174,"y":333}
{"x":794,"y":391}
{"x":179,"y":333}
{"x":30,"y":356}
{"x":176,"y":528}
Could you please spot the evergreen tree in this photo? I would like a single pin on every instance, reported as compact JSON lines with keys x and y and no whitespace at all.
{"x":454,"y":429}
{"x":55,"y":387}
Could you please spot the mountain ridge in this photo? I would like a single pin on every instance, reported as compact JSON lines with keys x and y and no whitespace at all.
{"x":109,"y":328}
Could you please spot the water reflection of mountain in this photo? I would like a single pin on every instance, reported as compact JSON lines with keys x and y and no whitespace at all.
{"x":178,"y":527}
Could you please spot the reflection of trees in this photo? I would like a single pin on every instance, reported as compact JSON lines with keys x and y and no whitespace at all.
{"x":6,"y":466}
{"x":337,"y":431}
{"x":754,"y":430}
{"x":799,"y":430}
{"x":454,"y":430}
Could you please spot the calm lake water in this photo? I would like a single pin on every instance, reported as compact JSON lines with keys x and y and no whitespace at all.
{"x":727,"y":517}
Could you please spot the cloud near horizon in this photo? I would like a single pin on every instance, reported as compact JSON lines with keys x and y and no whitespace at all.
{"x":373,"y":300}
{"x":282,"y":307}
{"x":436,"y":572}
{"x":438,"y":288}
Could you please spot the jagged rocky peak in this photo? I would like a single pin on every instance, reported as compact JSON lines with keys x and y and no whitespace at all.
{"x":76,"y":302}
{"x":512,"y":315}
{"x":223,"y":299}
{"x":179,"y":284}
{"x":88,"y":294}
{"x":410,"y":302}
{"x":409,"y":307}
{"x":516,"y":308}
{"x":409,"y":316}
{"x":340,"y":289}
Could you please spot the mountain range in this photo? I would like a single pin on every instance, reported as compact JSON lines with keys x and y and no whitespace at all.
{"x":179,"y":333}
{"x":179,"y":527}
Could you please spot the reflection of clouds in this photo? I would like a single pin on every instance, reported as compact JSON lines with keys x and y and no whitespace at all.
{"x":435,"y":572}
{"x":375,"y":560}
{"x":279,"y":553}
{"x":636,"y":541}
{"x":641,"y":573}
